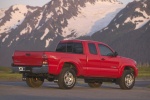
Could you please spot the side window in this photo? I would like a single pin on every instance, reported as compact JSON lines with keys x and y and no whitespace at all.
{"x":69,"y":47}
{"x":104,"y":50}
{"x":78,"y":48}
{"x":92,"y":48}
{"x":61,"y":47}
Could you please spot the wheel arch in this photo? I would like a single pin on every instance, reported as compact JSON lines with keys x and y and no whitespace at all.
{"x":74,"y":65}
{"x":128,"y":67}
{"x":70,"y":65}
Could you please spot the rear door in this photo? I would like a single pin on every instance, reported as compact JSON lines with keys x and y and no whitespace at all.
{"x":93,"y":61}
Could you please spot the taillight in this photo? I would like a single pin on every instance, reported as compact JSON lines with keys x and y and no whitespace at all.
{"x":13,"y":56}
{"x":45,"y":59}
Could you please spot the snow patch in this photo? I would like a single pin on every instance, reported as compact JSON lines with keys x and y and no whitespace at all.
{"x":38,"y":19}
{"x":127,"y":20}
{"x":120,"y":15}
{"x":32,"y":10}
{"x":17,"y":17}
{"x":49,"y":16}
{"x":92,"y":18}
{"x":137,"y":0}
{"x":5,"y":38}
{"x":140,"y":20}
{"x":17,"y":38}
{"x":47,"y":42}
{"x":59,"y":10}
{"x":145,"y":5}
{"x":143,"y":12}
{"x":10,"y":43}
{"x":2,"y":13}
{"x":28,"y":29}
{"x":117,"y":25}
{"x":106,"y":28}
{"x":45,"y":33}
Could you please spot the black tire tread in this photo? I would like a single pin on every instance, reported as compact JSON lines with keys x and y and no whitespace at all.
{"x":35,"y":84}
{"x":61,"y":83}
{"x":122,"y":80}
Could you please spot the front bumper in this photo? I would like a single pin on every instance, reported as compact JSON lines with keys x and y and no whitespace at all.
{"x":33,"y":69}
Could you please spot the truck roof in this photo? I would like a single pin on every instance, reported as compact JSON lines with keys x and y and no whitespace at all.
{"x":76,"y":40}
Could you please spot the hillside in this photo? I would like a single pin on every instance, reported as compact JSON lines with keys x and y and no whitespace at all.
{"x":125,"y":28}
{"x":129,"y":31}
{"x":41,"y":28}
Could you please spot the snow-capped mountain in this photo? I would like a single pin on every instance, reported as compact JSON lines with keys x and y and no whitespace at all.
{"x":58,"y":17}
{"x":14,"y":17}
{"x":41,"y":28}
{"x":93,"y":17}
{"x":2,"y":13}
{"x":129,"y":31}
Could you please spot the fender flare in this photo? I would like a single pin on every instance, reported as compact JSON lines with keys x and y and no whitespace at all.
{"x":74,"y":61}
{"x":122,"y":68}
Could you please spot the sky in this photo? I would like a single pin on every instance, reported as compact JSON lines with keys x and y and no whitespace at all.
{"x":7,"y":3}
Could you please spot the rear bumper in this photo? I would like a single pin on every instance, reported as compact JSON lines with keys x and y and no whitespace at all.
{"x":33,"y":69}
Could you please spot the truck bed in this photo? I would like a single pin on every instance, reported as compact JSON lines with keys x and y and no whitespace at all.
{"x":28,"y":58}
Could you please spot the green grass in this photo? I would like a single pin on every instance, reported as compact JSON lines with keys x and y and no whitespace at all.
{"x":7,"y":75}
{"x":144,"y":71}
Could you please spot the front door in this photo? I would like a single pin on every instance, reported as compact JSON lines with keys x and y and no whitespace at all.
{"x":108,"y":64}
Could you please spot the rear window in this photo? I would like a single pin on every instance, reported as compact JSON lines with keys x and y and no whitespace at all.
{"x":92,"y":48}
{"x":72,"y":47}
{"x":61,"y":47}
{"x":78,"y":48}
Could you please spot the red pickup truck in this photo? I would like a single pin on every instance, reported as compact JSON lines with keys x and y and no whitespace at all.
{"x":93,"y":61}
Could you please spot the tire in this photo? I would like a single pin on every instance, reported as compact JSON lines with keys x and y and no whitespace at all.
{"x":127,"y":80}
{"x":67,"y":78}
{"x":34,"y":82}
{"x":95,"y":85}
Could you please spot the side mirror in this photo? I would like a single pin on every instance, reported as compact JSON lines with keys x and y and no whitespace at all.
{"x":114,"y":54}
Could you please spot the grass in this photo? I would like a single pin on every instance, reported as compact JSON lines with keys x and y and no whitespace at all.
{"x":7,"y":75}
{"x":144,"y":71}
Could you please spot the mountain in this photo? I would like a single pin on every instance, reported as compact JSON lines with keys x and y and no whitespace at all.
{"x":129,"y":31}
{"x":2,"y":13}
{"x":14,"y":16}
{"x":125,"y":28}
{"x":41,"y":28}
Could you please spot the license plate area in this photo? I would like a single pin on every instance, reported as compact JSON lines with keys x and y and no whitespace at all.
{"x":21,"y":69}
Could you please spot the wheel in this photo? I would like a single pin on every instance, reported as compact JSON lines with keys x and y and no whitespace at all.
{"x":34,"y":82}
{"x":127,"y":80}
{"x":95,"y":85}
{"x":67,"y":78}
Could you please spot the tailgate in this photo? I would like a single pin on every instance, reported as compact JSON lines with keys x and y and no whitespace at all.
{"x":27,"y":58}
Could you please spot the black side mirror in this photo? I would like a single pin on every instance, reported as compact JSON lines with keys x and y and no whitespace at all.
{"x":114,"y":54}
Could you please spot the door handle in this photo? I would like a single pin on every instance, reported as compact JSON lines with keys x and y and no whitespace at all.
{"x":28,"y":54}
{"x":103,"y":59}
